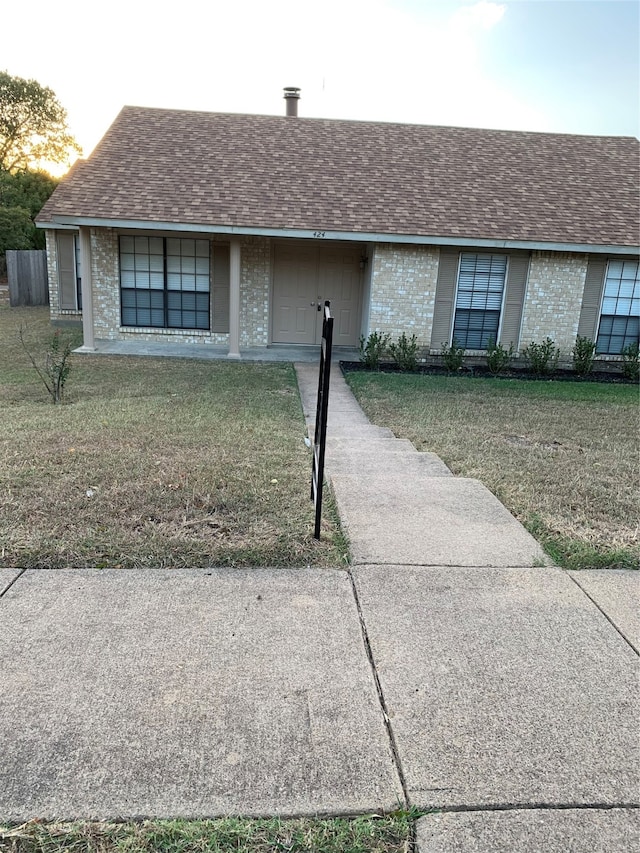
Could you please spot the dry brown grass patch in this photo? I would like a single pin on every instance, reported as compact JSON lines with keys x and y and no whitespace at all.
{"x":563,"y":457}
{"x":154,"y":462}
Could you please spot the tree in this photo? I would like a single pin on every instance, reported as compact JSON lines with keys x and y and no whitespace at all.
{"x":17,"y":231}
{"x":33,"y":125}
{"x":22,"y":195}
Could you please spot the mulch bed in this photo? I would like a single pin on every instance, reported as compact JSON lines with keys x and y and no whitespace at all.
{"x":478,"y":371}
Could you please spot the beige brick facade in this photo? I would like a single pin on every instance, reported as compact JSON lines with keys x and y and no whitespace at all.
{"x":403,"y":290}
{"x":105,"y":283}
{"x":553,"y":299}
{"x":402,"y":294}
{"x":254,"y":294}
{"x":255,"y":285}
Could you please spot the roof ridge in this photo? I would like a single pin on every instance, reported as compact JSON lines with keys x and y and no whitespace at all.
{"x":376,"y":122}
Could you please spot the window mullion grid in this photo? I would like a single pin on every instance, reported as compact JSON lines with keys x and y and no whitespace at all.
{"x":607,"y":327}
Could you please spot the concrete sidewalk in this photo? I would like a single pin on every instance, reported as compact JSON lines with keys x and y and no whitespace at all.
{"x":450,"y":668}
{"x":510,"y":685}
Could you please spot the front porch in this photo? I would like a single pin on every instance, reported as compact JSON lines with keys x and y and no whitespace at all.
{"x":278,"y":352}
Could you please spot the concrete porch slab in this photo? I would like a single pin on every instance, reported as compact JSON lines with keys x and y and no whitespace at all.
{"x":7,"y":577}
{"x":438,"y":521}
{"x":191,"y":693}
{"x":504,"y":687}
{"x":309,"y":355}
{"x":548,"y":830}
{"x":617,"y":593}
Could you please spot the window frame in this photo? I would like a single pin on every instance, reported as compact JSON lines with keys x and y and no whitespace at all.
{"x":457,"y":290}
{"x":175,"y":299}
{"x":615,"y":316}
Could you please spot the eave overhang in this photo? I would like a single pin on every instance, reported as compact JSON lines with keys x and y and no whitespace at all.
{"x":66,"y":222}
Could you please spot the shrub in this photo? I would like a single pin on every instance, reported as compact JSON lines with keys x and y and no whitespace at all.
{"x":498,"y":358}
{"x":405,"y":352}
{"x":542,"y":359}
{"x":452,"y":356}
{"x":373,"y":349}
{"x":583,"y":354}
{"x":56,"y":368}
{"x":631,"y":361}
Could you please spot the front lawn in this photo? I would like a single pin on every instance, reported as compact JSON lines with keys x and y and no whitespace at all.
{"x":562,"y":456}
{"x":153,"y":462}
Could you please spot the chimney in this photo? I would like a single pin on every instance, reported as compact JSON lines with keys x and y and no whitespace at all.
{"x":292,"y":96}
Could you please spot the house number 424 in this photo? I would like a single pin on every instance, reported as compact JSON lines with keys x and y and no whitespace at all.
{"x":319,"y":233}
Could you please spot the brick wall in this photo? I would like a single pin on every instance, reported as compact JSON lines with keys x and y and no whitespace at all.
{"x":403,"y":286}
{"x":105,"y":283}
{"x":254,"y":296}
{"x":403,"y":289}
{"x":255,"y":285}
{"x":553,"y":299}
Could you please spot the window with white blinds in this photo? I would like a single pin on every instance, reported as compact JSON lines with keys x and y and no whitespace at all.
{"x":481,"y":280}
{"x":620,"y":314}
{"x":164,"y":282}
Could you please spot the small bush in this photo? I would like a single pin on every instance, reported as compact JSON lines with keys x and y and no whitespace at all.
{"x":405,"y":352}
{"x":583,"y":354}
{"x":452,"y":356}
{"x":373,"y":349}
{"x":542,"y":359}
{"x":498,"y":358}
{"x":55,"y":371}
{"x":631,"y":362}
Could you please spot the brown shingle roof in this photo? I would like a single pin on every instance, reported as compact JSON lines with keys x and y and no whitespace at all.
{"x":251,"y":171}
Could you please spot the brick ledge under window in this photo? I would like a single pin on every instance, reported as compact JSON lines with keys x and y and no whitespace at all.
{"x":191,"y":333}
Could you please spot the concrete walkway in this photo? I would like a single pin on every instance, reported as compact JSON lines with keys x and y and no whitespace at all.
{"x":449,"y":668}
{"x":510,"y":686}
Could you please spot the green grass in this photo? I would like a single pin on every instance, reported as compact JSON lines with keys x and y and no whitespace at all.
{"x":153,"y":462}
{"x":367,"y":834}
{"x":562,"y":456}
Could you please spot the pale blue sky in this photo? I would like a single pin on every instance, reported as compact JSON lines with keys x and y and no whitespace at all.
{"x":546,"y":65}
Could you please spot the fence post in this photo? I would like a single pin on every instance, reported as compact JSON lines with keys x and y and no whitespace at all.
{"x":322,"y":408}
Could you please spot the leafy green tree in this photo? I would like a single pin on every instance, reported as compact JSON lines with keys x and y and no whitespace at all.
{"x":33,"y":125}
{"x":26,"y":189}
{"x":17,"y":231}
{"x":20,"y":193}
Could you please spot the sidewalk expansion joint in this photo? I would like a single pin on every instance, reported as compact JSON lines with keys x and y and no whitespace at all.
{"x":606,"y":616}
{"x":9,"y":585}
{"x":381,"y":699}
{"x":516,"y":807}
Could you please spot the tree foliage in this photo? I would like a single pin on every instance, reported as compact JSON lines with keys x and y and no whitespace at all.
{"x":17,"y":231}
{"x":33,"y":125}
{"x":22,"y":195}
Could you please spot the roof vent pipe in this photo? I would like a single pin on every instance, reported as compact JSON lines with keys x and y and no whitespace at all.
{"x":292,"y":96}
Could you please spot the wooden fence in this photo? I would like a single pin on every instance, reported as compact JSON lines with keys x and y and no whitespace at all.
{"x":28,"y":279}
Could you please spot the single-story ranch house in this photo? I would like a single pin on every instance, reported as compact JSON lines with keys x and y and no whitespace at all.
{"x":232,"y":230}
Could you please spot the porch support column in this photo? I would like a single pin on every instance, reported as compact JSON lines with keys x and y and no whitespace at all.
{"x":87,"y":296}
{"x":234,"y":298}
